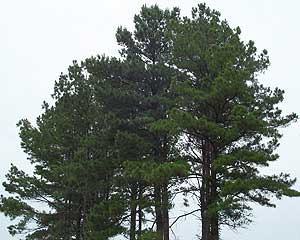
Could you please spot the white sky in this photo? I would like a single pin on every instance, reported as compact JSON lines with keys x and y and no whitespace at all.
{"x":39,"y":39}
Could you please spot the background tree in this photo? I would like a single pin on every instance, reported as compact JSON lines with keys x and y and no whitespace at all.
{"x":150,"y":47}
{"x":71,"y":150}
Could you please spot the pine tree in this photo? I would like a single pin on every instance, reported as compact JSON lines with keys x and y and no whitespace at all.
{"x":183,"y":103}
{"x":71,"y":149}
{"x":150,"y":48}
{"x":229,"y":121}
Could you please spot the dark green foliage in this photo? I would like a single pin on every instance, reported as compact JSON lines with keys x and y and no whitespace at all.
{"x":229,"y":120}
{"x":72,"y":151}
{"x":182,"y":110}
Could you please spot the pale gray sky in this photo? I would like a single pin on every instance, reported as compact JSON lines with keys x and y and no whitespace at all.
{"x":39,"y":39}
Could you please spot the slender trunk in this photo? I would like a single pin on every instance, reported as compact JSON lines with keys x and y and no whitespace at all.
{"x":140,"y":222}
{"x":68,"y":220}
{"x":79,"y":226}
{"x":215,"y":218}
{"x":84,"y":214}
{"x":132,"y":222}
{"x":165,"y":211}
{"x":210,"y":222}
{"x":205,"y":192}
{"x":214,"y":228}
{"x":205,"y":225}
{"x":133,"y":206}
{"x":140,"y":212}
{"x":158,"y":212}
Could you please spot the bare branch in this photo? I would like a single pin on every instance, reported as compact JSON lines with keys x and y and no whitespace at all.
{"x":184,"y":215}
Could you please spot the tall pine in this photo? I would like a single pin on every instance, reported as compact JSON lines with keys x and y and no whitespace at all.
{"x":228,"y":120}
{"x":182,"y":110}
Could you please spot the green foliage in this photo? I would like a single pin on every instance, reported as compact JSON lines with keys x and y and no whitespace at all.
{"x":149,"y":235}
{"x":182,"y":110}
{"x":229,"y":119}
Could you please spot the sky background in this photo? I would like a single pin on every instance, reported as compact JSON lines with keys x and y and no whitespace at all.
{"x":40,"y":38}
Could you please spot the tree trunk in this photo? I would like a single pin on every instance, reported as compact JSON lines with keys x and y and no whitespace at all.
{"x":133,"y":205}
{"x":79,"y":225}
{"x":158,"y":212}
{"x":208,"y":192}
{"x":205,"y":224}
{"x":214,"y":228}
{"x":215,"y":217}
{"x":205,"y":192}
{"x":140,"y":212}
{"x":67,"y":216}
{"x":165,"y":211}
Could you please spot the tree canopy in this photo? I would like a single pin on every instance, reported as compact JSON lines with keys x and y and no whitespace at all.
{"x":181,"y":112}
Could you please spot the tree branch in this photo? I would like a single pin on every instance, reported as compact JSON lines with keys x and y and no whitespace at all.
{"x":183,"y":215}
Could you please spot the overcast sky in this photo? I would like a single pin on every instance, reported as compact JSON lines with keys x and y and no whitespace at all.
{"x":40,"y":38}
